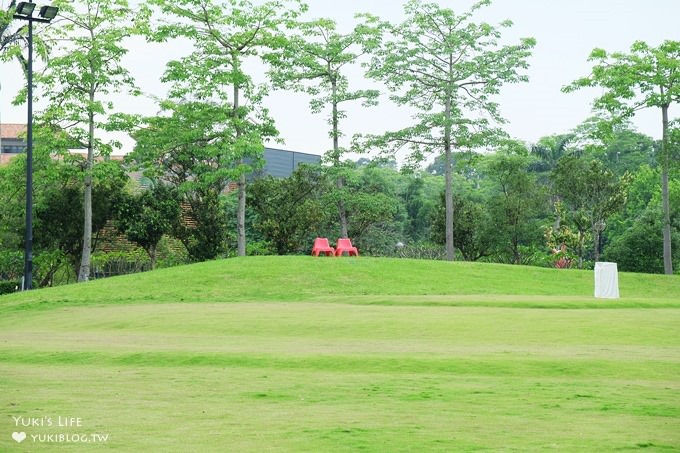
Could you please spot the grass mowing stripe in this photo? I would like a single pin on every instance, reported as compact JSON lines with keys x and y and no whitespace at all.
{"x":482,"y":301}
{"x":491,"y":365}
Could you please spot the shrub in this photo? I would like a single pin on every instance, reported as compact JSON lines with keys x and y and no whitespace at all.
{"x":119,"y":263}
{"x":422,"y":251}
{"x":9,"y":286}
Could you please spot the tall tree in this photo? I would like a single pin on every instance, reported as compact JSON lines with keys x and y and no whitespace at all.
{"x":226,"y":34}
{"x":646,"y":77}
{"x":88,"y":69}
{"x":315,"y":61}
{"x":448,"y":68}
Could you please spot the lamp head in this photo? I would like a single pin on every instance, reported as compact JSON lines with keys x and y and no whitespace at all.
{"x":48,"y":12}
{"x":24,"y":9}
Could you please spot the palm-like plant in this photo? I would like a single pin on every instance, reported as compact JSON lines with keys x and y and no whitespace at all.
{"x":549,"y":150}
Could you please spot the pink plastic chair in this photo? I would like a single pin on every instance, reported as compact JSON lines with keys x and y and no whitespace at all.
{"x":345,"y":245}
{"x":321,"y":245}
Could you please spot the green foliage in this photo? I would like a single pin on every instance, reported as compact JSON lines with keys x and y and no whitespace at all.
{"x":632,"y":242}
{"x":48,"y":265}
{"x":260,"y":248}
{"x":290,"y":211}
{"x":637,"y":248}
{"x":592,"y":193}
{"x":646,"y":77}
{"x":51,"y":268}
{"x":202,"y":229}
{"x":146,"y":216}
{"x":549,"y":150}
{"x":13,"y":40}
{"x":516,"y":202}
{"x":314,"y":61}
{"x":193,"y":150}
{"x":561,"y":240}
{"x":471,"y":232}
{"x":445,"y":66}
{"x":629,"y":150}
{"x":373,"y":211}
{"x":110,"y":264}
{"x":53,"y":230}
{"x":171,"y":252}
{"x":632,"y":80}
{"x":84,"y":69}
{"x":421,"y":251}
{"x":13,"y":201}
{"x":419,"y":210}
{"x":9,"y":286}
{"x":11,"y":265}
{"x":190,"y":145}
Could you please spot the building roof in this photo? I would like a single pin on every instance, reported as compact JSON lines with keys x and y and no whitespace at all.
{"x":11,"y":130}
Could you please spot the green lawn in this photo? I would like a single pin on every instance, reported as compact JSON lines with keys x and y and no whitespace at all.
{"x":315,"y":354}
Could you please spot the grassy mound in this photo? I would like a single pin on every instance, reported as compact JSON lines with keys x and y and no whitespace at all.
{"x":314,"y":354}
{"x":295,"y":278}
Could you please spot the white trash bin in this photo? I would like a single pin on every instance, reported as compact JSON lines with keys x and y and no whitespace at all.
{"x":606,"y":281}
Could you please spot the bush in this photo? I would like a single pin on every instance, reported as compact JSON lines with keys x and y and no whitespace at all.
{"x":9,"y":286}
{"x":528,"y":256}
{"x":259,"y":248}
{"x":422,"y":251}
{"x":639,"y":248}
{"x":119,"y":263}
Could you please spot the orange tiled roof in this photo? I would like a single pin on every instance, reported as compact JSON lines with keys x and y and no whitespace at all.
{"x":11,"y":130}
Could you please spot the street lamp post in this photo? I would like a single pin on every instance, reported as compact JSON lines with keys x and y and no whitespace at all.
{"x":24,"y":11}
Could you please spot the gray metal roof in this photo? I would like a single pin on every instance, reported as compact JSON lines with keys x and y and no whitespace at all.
{"x":281,"y":163}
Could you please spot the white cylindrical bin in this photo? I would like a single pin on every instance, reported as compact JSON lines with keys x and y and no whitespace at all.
{"x":606,"y":281}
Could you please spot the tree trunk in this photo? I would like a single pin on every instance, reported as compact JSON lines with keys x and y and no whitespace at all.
{"x":665,"y":163}
{"x":558,"y":217}
{"x":339,"y":183}
{"x":242,"y":215}
{"x":448,"y":180}
{"x":241,"y":211}
{"x":84,"y":272}
{"x":152,"y":255}
{"x":516,"y":255}
{"x":596,"y":242}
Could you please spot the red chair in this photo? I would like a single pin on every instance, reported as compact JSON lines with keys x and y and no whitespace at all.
{"x":321,"y":245}
{"x":345,"y":245}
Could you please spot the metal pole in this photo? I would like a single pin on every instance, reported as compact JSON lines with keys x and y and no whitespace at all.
{"x":28,"y":252}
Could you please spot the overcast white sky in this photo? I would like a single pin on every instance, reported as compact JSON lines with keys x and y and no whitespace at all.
{"x":566,"y":32}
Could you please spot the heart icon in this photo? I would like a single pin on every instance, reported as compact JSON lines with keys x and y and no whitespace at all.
{"x":19,"y":437}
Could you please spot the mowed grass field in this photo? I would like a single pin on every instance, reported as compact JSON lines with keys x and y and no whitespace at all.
{"x":313,"y":354}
